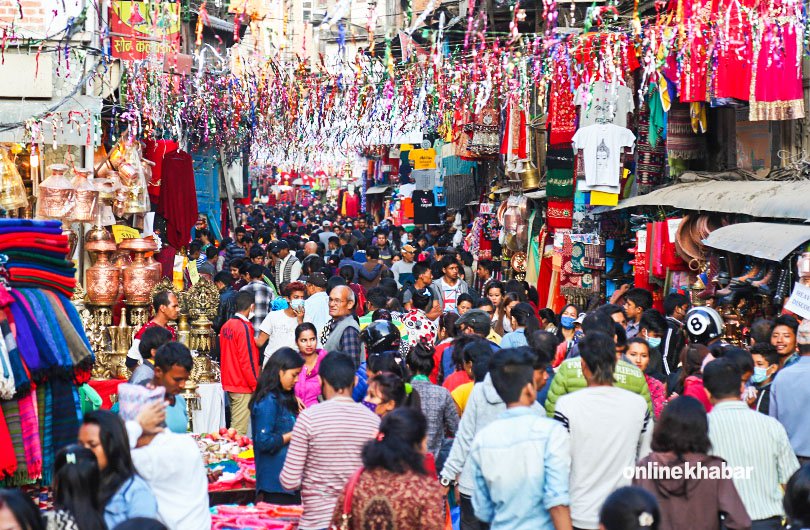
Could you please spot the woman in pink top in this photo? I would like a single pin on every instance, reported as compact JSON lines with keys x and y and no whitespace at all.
{"x":308,"y":387}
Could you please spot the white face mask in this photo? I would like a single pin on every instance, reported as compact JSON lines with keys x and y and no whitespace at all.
{"x":251,"y":315}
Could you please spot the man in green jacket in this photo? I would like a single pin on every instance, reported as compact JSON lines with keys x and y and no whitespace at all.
{"x":569,"y":378}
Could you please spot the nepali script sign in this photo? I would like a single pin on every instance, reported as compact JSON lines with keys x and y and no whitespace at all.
{"x":799,"y":302}
{"x":140,"y":28}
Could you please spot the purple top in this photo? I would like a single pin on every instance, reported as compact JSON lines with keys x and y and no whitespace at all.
{"x":308,"y":387}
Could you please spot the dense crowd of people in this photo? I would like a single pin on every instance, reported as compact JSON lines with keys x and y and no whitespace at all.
{"x":384,"y":380}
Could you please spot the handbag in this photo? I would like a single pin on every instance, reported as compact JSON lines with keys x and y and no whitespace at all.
{"x":346,"y":517}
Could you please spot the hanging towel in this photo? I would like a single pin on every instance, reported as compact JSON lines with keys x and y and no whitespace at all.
{"x":17,"y":471}
{"x":22,"y":379}
{"x":76,"y":341}
{"x":30,"y":435}
{"x":8,"y":457}
{"x":35,"y":351}
{"x":45,"y":408}
{"x":7,"y":384}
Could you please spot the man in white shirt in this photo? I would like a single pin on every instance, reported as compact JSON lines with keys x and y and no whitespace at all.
{"x":172,"y":466}
{"x":316,"y":306}
{"x":278,"y":327}
{"x":610,"y":430}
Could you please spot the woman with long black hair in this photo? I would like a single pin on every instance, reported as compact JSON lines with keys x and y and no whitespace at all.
{"x":76,"y":480}
{"x":18,"y":511}
{"x":123,"y":494}
{"x":393,"y":489}
{"x":273,"y":410}
{"x":524,"y":322}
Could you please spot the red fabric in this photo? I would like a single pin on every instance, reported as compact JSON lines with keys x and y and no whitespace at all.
{"x":25,"y":239}
{"x":437,"y":361}
{"x":560,"y":214}
{"x":352,"y":205}
{"x":732,"y":77}
{"x":8,"y":460}
{"x":166,"y":259}
{"x":178,"y":196}
{"x":693,"y":386}
{"x":456,"y":379}
{"x":235,"y":351}
{"x":669,"y":257}
{"x":152,"y":324}
{"x":562,"y":113}
{"x":105,"y":389}
{"x":658,"y":234}
{"x":155,"y":152}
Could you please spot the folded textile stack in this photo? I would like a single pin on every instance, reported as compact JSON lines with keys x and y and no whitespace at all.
{"x":261,"y":516}
{"x":44,"y":352}
{"x":36,"y":252}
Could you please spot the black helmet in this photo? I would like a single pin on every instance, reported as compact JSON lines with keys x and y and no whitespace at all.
{"x":380,"y":336}
{"x":703,"y":324}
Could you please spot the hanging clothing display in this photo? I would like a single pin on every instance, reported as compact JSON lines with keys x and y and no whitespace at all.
{"x":562,"y":113}
{"x":776,"y":92}
{"x":179,"y":197}
{"x":424,"y":208}
{"x":651,"y":159}
{"x":734,"y":51}
{"x":602,"y":102}
{"x":602,"y":146}
{"x":682,"y":141}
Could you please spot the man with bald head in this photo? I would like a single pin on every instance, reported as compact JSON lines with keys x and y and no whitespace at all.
{"x":310,"y":248}
{"x":342,"y":333}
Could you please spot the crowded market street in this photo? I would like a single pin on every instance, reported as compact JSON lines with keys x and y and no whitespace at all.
{"x":415,"y":265}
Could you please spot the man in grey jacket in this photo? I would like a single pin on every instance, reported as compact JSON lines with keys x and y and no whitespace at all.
{"x":447,"y":289}
{"x":483,"y":407}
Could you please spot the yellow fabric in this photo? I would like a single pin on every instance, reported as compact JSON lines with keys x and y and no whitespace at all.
{"x":697,"y":111}
{"x":423,"y":158}
{"x":600,"y":198}
{"x":461,"y":395}
{"x":663,"y":92}
{"x":494,"y":337}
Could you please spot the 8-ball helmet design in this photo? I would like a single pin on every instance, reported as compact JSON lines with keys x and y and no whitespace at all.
{"x":703,"y":324}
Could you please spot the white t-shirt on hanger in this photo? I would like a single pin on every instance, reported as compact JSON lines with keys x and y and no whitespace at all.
{"x":602,"y":146}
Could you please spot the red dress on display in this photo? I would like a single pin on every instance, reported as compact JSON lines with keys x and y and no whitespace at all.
{"x":735,"y":50}
{"x":776,"y":92}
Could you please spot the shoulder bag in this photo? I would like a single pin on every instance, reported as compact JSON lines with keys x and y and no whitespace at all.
{"x":346,"y":518}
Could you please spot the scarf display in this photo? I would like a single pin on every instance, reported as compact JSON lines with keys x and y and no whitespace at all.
{"x":30,"y":435}
{"x":43,"y":353}
{"x":17,"y":470}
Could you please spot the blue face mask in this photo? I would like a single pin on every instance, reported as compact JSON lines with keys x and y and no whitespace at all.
{"x":654,"y":342}
{"x":369,"y":405}
{"x":760,"y":374}
{"x":567,"y":322}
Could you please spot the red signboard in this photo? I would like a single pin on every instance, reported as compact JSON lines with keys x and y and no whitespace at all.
{"x":143,"y":28}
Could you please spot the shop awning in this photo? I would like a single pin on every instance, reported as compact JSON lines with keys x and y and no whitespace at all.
{"x":771,"y":241}
{"x":377,"y":189}
{"x":785,"y":200}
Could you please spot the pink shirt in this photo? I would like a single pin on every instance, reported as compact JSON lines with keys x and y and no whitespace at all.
{"x":308,"y":387}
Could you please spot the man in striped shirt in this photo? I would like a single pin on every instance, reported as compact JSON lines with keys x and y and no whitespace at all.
{"x":327,"y":441}
{"x":750,"y":441}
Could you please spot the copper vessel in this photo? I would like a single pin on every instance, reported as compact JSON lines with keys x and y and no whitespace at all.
{"x":102,"y":279}
{"x":139,"y":279}
{"x":86,"y":196}
{"x":155,"y":266}
{"x":56,"y":194}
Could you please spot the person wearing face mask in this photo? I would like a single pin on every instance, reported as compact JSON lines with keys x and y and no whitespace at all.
{"x":386,"y":392}
{"x":652,"y":327}
{"x":766,"y":364}
{"x":638,"y":353}
{"x":240,"y":361}
{"x":278,"y":327}
{"x":565,"y":333}
{"x":273,"y":411}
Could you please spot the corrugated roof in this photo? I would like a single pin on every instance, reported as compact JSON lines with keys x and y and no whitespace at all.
{"x":771,"y":241}
{"x":785,"y":200}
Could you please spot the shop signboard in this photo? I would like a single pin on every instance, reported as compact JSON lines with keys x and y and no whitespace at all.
{"x":143,"y":28}
{"x":799,"y":302}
